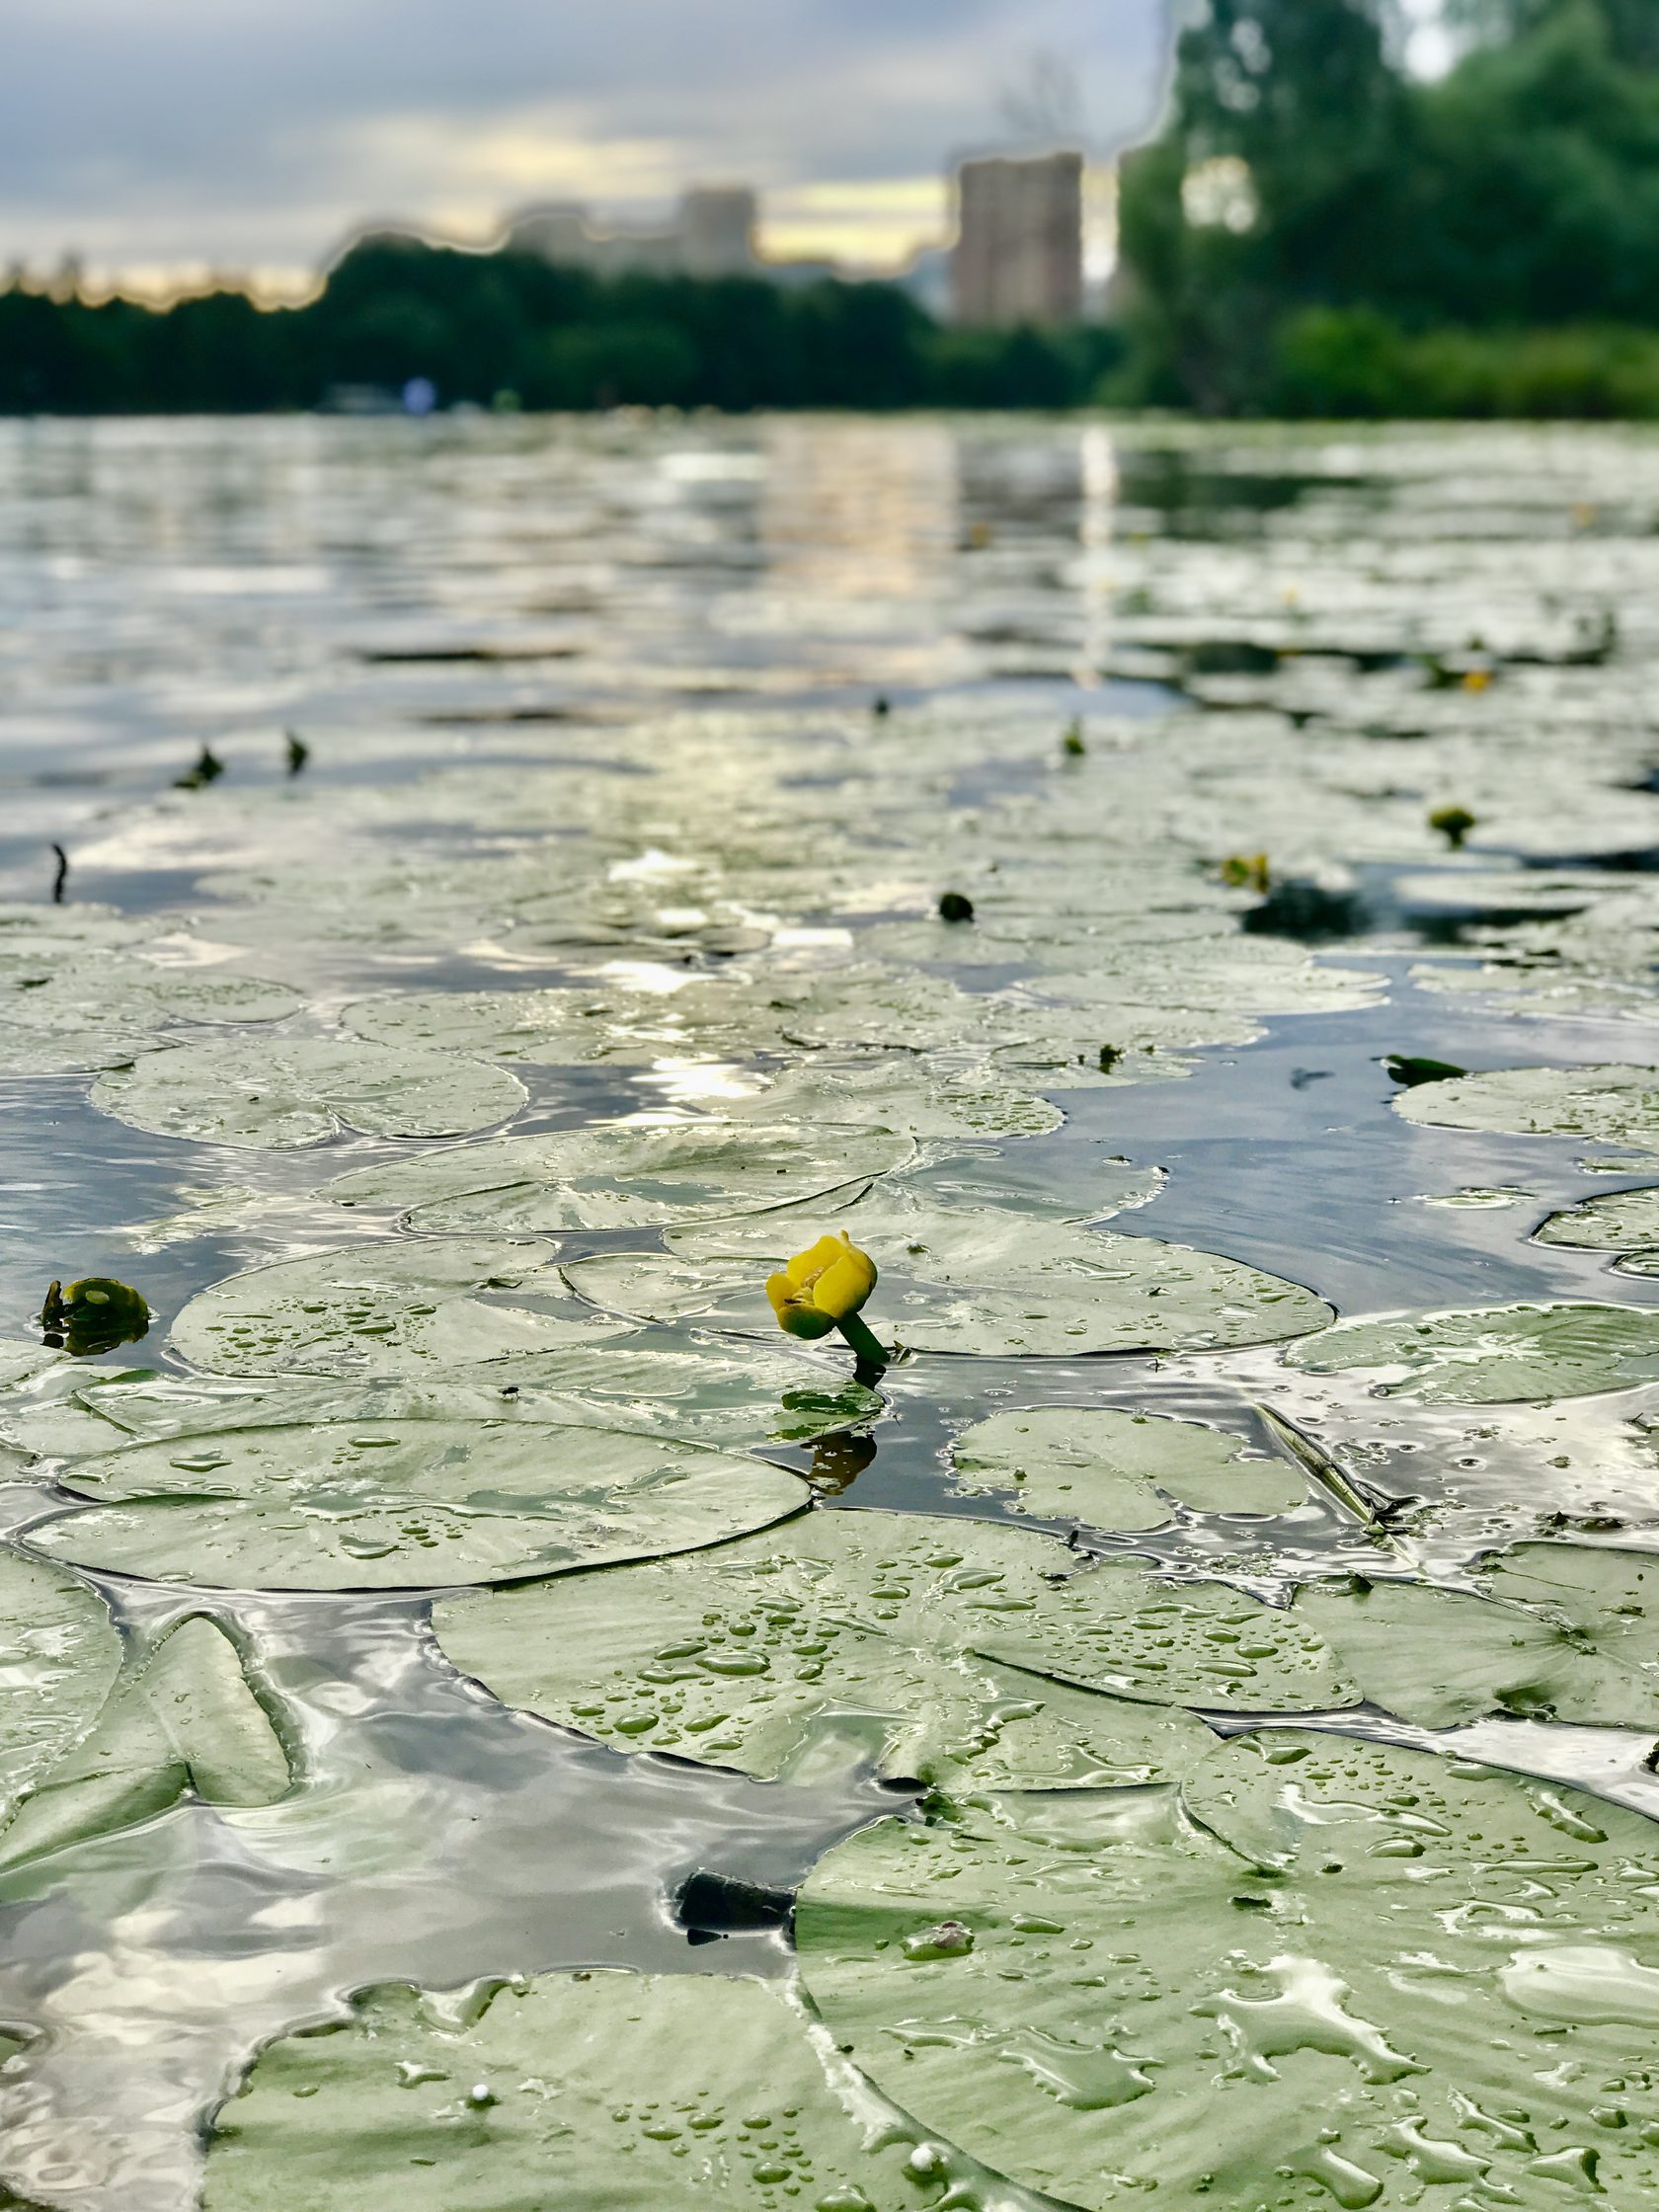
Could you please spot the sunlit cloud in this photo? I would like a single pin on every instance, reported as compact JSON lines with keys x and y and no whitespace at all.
{"x":868,"y":222}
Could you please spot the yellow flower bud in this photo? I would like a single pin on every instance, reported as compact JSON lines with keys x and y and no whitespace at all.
{"x":93,"y":1316}
{"x":820,"y":1289}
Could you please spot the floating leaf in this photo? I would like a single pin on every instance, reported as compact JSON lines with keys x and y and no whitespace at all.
{"x":1623,"y":1222}
{"x":916,"y":1643}
{"x":621,"y":1176}
{"x":388,"y":1309}
{"x":136,"y":995}
{"x":60,"y":1654}
{"x":1109,"y":1470}
{"x":736,"y":1394}
{"x":1349,"y":1973}
{"x":394,"y":1505}
{"x":919,"y":1095}
{"x":283,"y":1094}
{"x":187,"y":1722}
{"x":1609,"y":1105}
{"x":1570,"y":1633}
{"x":1492,"y":1355}
{"x":630,"y":2093}
{"x":987,"y":1283}
{"x":548,"y":1028}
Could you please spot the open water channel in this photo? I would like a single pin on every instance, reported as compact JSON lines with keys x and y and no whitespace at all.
{"x":1186,"y":1727}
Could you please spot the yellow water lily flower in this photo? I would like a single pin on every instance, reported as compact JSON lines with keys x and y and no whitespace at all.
{"x":826,"y":1287}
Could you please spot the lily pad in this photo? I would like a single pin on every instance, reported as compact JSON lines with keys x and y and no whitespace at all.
{"x":914,"y":1642}
{"x":922,"y":1095}
{"x":1109,"y":1470}
{"x":397,"y":1505}
{"x":1492,"y":1355}
{"x":737,"y":1396}
{"x":59,"y":1655}
{"x":1623,"y":1222}
{"x":188,"y":1722}
{"x":388,"y":1309}
{"x":1614,"y":1104}
{"x":284,"y":1094}
{"x":1335,"y":1971}
{"x":136,"y":995}
{"x":622,"y":2091}
{"x":1570,"y":1633}
{"x":622,"y":1176}
{"x":998,"y":1284}
{"x":549,"y":1028}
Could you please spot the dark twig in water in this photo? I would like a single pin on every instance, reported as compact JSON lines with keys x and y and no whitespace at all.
{"x":208,"y":768}
{"x":62,"y":877}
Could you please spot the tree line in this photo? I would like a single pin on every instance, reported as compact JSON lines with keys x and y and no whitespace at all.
{"x":511,"y":328}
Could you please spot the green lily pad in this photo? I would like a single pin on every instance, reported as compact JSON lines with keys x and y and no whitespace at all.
{"x":1492,"y":1355}
{"x":622,"y":1176}
{"x":1109,"y":1470}
{"x":1608,"y":1105}
{"x":1570,"y":1633}
{"x":69,"y":1049}
{"x":388,"y":1309}
{"x":921,"y":1096}
{"x":188,"y":1721}
{"x":547,"y":1028}
{"x":914,"y":1642}
{"x":738,"y":1395}
{"x":1623,"y":1222}
{"x":135,"y":994}
{"x":995,"y":1284}
{"x":59,"y":1655}
{"x":1334,"y":1971}
{"x":397,"y":1505}
{"x":622,"y":2092}
{"x":282,"y":1095}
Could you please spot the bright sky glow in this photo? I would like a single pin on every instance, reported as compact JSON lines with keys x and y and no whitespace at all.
{"x":160,"y":139}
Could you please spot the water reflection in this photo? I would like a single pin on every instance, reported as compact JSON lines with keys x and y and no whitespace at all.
{"x":839,"y":1460}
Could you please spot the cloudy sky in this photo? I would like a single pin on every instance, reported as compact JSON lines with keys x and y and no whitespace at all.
{"x":171,"y":136}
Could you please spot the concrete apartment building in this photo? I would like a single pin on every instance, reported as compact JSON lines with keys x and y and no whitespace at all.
{"x":1018,"y":255}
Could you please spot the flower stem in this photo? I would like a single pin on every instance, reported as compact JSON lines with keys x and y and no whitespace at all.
{"x":870,"y":1355}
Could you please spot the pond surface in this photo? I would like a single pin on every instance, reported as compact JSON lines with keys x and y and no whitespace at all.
{"x":1187,"y":1724}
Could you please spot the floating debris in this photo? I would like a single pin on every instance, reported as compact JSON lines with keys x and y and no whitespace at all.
{"x":208,"y":768}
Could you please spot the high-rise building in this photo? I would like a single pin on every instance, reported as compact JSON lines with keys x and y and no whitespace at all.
{"x":1018,"y":255}
{"x":717,"y":224}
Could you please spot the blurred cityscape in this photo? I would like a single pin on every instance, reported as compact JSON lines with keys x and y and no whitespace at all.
{"x":1017,"y":253}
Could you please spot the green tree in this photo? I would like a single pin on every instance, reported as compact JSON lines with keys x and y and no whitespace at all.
{"x":1521,"y":192}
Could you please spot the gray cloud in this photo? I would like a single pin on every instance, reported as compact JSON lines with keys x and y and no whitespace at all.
{"x":148,"y":131}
